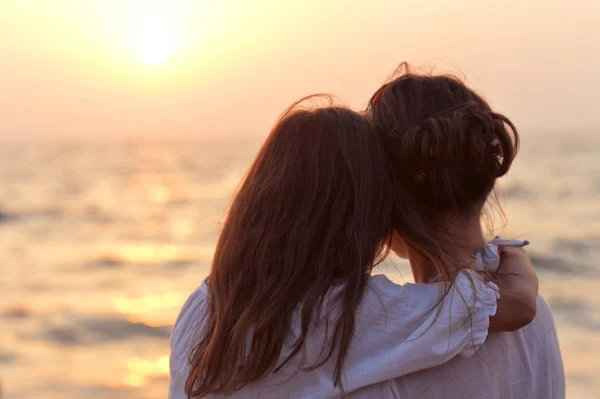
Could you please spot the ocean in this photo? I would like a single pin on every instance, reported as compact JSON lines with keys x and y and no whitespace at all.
{"x":101,"y":243}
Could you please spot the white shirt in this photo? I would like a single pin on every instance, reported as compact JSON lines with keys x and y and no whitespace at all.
{"x":398,"y":330}
{"x":519,"y":365}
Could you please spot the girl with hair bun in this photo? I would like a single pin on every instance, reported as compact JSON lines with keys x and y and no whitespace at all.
{"x":446,"y":149}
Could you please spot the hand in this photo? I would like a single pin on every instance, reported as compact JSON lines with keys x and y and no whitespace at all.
{"x":518,"y":283}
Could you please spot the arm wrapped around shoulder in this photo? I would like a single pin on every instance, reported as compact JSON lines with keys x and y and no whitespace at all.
{"x":518,"y":284}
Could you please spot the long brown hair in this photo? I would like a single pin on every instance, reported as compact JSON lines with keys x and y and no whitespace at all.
{"x":312,"y":213}
{"x":446,"y":149}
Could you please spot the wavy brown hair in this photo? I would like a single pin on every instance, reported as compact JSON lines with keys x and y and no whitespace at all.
{"x":313,"y":212}
{"x":446,"y":148}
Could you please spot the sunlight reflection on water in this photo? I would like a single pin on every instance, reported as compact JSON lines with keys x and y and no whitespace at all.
{"x":105,"y":243}
{"x":154,"y":310}
{"x":142,"y":369}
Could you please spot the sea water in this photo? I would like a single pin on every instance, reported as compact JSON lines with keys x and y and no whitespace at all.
{"x":101,"y":243}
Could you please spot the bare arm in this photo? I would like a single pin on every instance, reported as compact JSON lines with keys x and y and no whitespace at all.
{"x":518,"y":283}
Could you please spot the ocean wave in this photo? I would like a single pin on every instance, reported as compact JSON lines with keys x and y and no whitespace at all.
{"x":551,"y":264}
{"x":51,"y":213}
{"x":578,"y":247}
{"x":575,"y":313}
{"x":517,"y":191}
{"x":6,"y":217}
{"x":105,"y":262}
{"x":15,"y":312}
{"x":562,"y":266}
{"x":7,"y":357}
{"x":98,"y":215}
{"x":88,"y":330}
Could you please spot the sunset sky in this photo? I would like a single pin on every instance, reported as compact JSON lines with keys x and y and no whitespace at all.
{"x":99,"y":68}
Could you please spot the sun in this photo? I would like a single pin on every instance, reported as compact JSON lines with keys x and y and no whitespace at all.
{"x":153,"y":36}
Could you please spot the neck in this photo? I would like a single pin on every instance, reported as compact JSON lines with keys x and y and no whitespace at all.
{"x":461,"y":238}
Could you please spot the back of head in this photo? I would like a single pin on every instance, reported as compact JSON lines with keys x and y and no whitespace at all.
{"x":311,"y":214}
{"x":446,"y":144}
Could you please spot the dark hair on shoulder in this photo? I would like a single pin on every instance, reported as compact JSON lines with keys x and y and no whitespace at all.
{"x":447,"y":147}
{"x":313,"y":212}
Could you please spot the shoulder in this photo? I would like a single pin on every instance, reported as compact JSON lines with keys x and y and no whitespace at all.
{"x":469,"y":289}
{"x":402,"y":301}
{"x":543,"y":323}
{"x":381,"y":285}
{"x":543,"y":309}
{"x":459,"y":311}
{"x":190,"y":316}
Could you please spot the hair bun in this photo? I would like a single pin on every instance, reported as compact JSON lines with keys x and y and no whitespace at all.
{"x":467,"y":147}
{"x":444,"y":140}
{"x":492,"y":139}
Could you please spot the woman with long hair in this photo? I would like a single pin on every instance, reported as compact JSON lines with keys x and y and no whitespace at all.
{"x":290,"y":308}
{"x":446,"y":149}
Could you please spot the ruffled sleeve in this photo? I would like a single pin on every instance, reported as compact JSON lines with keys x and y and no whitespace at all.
{"x":420,"y":326}
{"x":461,"y":323}
{"x":486,"y":259}
{"x":483,"y":296}
{"x":483,"y":307}
{"x":406,"y":328}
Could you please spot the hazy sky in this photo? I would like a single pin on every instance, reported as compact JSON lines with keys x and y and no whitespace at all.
{"x":85,"y":67}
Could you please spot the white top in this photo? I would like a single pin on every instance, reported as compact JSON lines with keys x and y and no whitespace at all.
{"x":519,"y":365}
{"x":396,"y":333}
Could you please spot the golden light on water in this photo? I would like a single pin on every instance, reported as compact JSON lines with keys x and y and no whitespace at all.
{"x":149,"y":303}
{"x":140,"y":370}
{"x":151,"y":254}
{"x":154,"y":310}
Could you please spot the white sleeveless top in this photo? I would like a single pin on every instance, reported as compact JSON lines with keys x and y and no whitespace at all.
{"x":396,"y":333}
